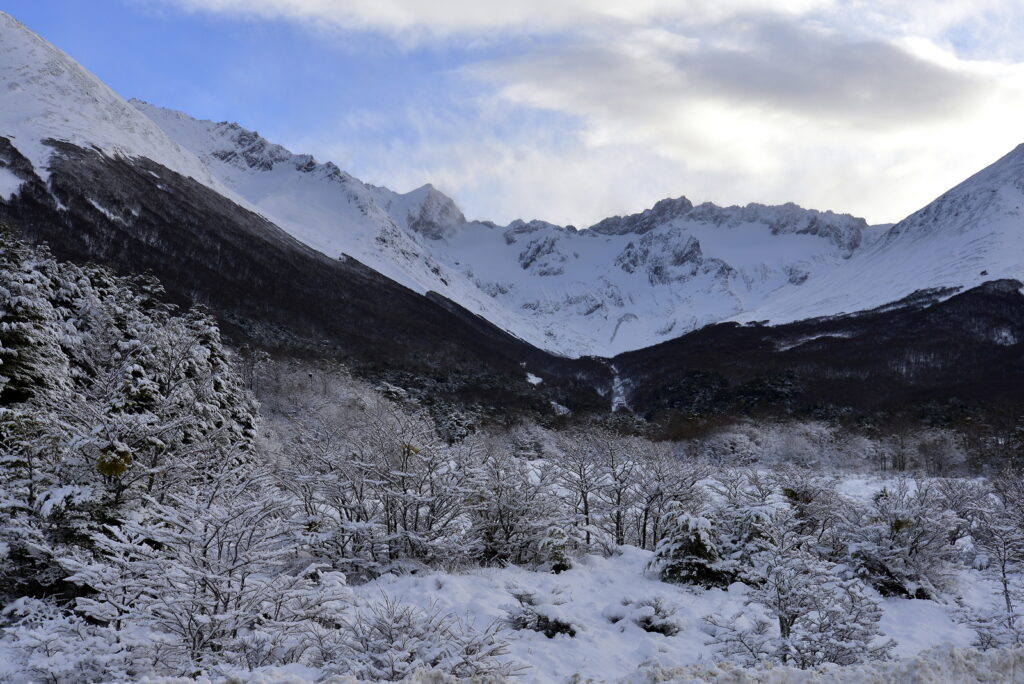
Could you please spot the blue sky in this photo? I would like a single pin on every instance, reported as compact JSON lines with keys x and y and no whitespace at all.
{"x":571,"y":110}
{"x":274,"y":75}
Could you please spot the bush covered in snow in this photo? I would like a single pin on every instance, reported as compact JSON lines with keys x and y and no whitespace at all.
{"x":387,"y":641}
{"x":650,"y":615}
{"x":805,"y":613}
{"x":539,"y":614}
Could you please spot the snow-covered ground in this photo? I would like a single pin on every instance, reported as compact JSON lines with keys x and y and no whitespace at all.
{"x":596,"y":589}
{"x":931,"y":645}
{"x":940,"y":665}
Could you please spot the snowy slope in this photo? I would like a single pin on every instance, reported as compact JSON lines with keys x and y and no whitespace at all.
{"x":337,"y":213}
{"x":626,"y":283}
{"x":971,"y":234}
{"x":602,"y":291}
{"x":46,"y":94}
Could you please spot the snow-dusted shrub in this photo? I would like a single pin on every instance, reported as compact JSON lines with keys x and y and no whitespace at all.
{"x":529,"y":441}
{"x":816,"y":504}
{"x":516,"y":516}
{"x":539,"y":614}
{"x":962,"y":496}
{"x":939,"y":452}
{"x":650,"y":614}
{"x":47,"y":644}
{"x":691,"y":552}
{"x":716,"y":547}
{"x":994,"y":627}
{"x":901,"y":543}
{"x":386,"y":640}
{"x":107,"y":397}
{"x":799,"y":444}
{"x":801,"y":611}
{"x":577,"y":470}
{"x":380,"y":490}
{"x":665,"y":483}
{"x":994,"y":518}
{"x":620,"y":461}
{"x":736,"y":446}
{"x":209,"y":577}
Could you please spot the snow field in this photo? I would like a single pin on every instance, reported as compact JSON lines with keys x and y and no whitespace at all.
{"x":595,"y":589}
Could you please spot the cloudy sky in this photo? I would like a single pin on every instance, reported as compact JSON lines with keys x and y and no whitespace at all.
{"x":572,"y":110}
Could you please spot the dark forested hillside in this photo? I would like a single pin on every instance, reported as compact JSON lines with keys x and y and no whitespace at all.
{"x":138,"y":217}
{"x":927,"y":358}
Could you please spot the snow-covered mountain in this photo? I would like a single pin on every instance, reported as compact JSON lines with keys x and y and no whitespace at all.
{"x":336,"y":213}
{"x":628,"y":282}
{"x":622,"y":284}
{"x":972,"y":234}
{"x":48,"y":95}
{"x":625,"y":283}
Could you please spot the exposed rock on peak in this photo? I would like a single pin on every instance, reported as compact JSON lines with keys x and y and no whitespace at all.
{"x":843,"y":230}
{"x":663,"y":211}
{"x":432,"y":213}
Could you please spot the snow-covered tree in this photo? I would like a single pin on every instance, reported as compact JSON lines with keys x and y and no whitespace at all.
{"x":208,"y":577}
{"x":664,"y":482}
{"x":379,"y":489}
{"x":817,"y":505}
{"x":803,"y":612}
{"x":997,"y":531}
{"x":713,"y":546}
{"x":691,"y":552}
{"x":516,"y":515}
{"x":107,"y":396}
{"x":578,"y":471}
{"x":902,"y":542}
{"x":616,"y":499}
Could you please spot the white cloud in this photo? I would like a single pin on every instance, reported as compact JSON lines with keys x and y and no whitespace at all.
{"x":795,"y":112}
{"x":871,"y":107}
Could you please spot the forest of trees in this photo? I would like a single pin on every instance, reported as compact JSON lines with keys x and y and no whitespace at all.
{"x":156,"y":519}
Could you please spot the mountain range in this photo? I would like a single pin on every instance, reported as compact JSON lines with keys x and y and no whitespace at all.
{"x":648,"y":311}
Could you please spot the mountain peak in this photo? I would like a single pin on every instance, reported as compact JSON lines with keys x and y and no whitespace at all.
{"x":844,"y":230}
{"x":662,"y":211}
{"x":48,"y":95}
{"x":432,"y":213}
{"x":991,"y":197}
